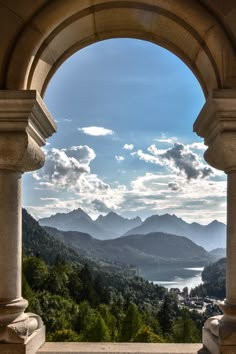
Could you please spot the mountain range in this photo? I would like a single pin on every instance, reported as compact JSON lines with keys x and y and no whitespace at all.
{"x":104,"y":227}
{"x":39,"y":243}
{"x":209,"y":236}
{"x":151,"y":253}
{"x":154,"y":256}
{"x":112,"y":226}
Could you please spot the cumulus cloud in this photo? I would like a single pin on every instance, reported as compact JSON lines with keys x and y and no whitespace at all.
{"x":68,"y":169}
{"x":70,"y":184}
{"x":119,"y":158}
{"x":179,"y":159}
{"x":96,"y":131}
{"x":200,"y":199}
{"x":128,"y":147}
{"x":83,"y":153}
{"x":146,"y":157}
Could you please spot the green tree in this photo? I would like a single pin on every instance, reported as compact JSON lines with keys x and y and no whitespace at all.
{"x":110,"y":320}
{"x":57,"y":281}
{"x":31,"y":296}
{"x":64,"y":335}
{"x":131,"y":324}
{"x":146,"y":335}
{"x":184,"y":329}
{"x":75,"y":285}
{"x":57,"y":312}
{"x":150,"y":320}
{"x":97,"y":331}
{"x":168,"y":312}
{"x":85,"y":316}
{"x":35,"y":272}
{"x":102,"y":294}
{"x":87,"y":292}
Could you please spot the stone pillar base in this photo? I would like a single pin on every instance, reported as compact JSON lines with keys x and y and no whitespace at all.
{"x":19,"y":330}
{"x":30,"y":346}
{"x":219,"y":336}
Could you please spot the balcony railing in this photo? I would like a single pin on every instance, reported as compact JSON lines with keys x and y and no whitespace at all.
{"x":121,"y":348}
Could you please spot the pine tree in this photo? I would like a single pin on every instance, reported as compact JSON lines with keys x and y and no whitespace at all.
{"x":131,"y":324}
{"x":98,"y":331}
{"x":168,"y":313}
{"x":184,"y":329}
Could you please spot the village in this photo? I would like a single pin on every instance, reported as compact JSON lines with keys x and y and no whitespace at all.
{"x":208,"y":304}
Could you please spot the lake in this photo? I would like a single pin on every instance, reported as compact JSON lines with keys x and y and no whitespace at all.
{"x":193,"y":279}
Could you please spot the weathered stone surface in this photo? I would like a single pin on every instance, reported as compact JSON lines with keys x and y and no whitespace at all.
{"x":120,"y":348}
{"x":201,"y":33}
{"x":216,"y":123}
{"x":38,"y":36}
{"x":25,"y":124}
{"x":30,"y":346}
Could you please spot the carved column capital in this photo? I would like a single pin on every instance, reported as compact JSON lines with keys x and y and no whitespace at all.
{"x":216,"y":123}
{"x":25,"y":124}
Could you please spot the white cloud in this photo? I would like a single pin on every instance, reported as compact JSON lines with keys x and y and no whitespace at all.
{"x":166,"y":140}
{"x":146,"y":157}
{"x":199,"y":200}
{"x":70,"y":184}
{"x":197,"y":146}
{"x":119,"y":158}
{"x":179,"y":159}
{"x":83,"y":153}
{"x":128,"y":147}
{"x":68,"y":169}
{"x":96,"y":131}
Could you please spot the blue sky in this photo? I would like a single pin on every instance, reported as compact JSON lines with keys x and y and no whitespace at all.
{"x":125,"y":110}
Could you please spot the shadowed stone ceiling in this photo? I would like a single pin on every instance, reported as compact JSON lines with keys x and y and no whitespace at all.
{"x":38,"y":36}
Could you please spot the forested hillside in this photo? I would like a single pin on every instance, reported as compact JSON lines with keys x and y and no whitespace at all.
{"x":214,"y":280}
{"x":152,"y":254}
{"x":37,"y":242}
{"x":82,"y":302}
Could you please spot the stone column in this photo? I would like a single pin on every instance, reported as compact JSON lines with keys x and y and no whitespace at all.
{"x":216,"y":123}
{"x":25,"y":124}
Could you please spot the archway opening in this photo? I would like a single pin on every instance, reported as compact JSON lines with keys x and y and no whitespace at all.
{"x":125,"y":111}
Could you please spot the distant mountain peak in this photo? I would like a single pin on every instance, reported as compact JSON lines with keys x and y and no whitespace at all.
{"x":214,"y":222}
{"x":113,"y":214}
{"x":79,"y":213}
{"x":113,"y":225}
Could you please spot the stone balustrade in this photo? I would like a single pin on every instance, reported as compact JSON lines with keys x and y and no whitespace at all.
{"x":121,"y":348}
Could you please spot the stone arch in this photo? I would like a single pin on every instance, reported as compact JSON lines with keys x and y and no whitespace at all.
{"x":60,"y":28}
{"x":36,"y":38}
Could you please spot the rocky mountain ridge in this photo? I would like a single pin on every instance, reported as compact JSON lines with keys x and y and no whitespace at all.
{"x":112,"y":226}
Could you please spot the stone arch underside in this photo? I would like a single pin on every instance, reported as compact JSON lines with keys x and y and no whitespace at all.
{"x":60,"y":28}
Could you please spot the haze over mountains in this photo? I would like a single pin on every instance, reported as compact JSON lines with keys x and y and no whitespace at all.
{"x":112,"y":226}
{"x":209,"y":236}
{"x":104,"y":227}
{"x":155,"y":254}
